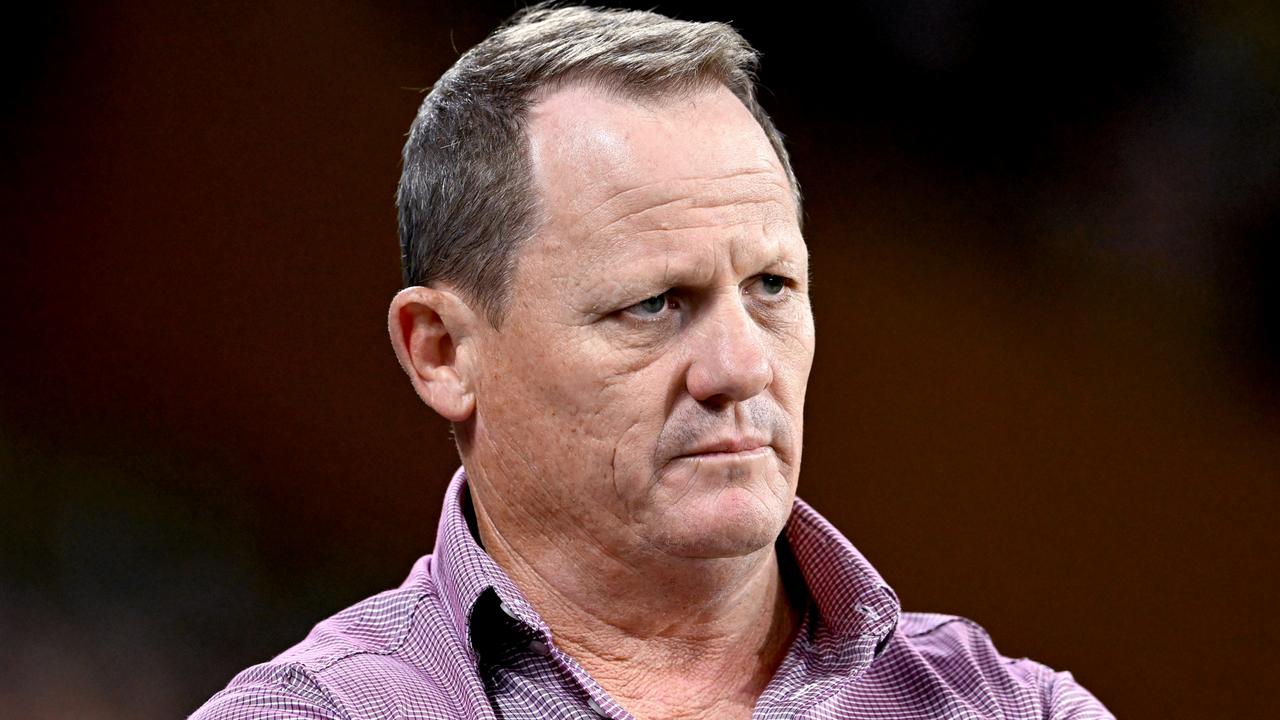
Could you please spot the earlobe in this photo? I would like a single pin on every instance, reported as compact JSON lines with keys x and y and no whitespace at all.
{"x":427,"y":326}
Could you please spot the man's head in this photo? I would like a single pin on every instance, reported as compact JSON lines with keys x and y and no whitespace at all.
{"x":608,"y":234}
{"x":465,"y":200}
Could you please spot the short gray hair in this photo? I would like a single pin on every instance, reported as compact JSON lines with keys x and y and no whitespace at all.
{"x":466,"y":200}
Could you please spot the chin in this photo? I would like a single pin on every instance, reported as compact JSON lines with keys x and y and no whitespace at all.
{"x":729,"y":522}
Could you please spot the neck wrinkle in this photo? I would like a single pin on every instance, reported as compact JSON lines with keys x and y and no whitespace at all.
{"x":685,"y":637}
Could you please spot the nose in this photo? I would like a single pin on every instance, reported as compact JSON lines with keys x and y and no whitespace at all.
{"x":730,"y":356}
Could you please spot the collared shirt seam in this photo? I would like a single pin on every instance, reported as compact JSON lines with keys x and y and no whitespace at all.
{"x":948,"y":621}
{"x":815,"y":524}
{"x":286,"y":681}
{"x":389,"y":649}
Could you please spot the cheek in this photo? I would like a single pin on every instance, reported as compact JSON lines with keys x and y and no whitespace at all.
{"x":792,"y":354}
{"x":583,"y":396}
{"x":792,"y":363}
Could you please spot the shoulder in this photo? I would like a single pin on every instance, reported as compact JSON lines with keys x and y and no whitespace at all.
{"x":277,"y":690}
{"x":958,"y":657}
{"x":377,"y":658}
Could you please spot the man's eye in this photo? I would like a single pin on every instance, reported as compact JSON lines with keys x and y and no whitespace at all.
{"x":773,"y":284}
{"x":653,"y":305}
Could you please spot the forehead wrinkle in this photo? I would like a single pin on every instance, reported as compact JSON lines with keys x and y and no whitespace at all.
{"x":741,"y":172}
{"x":667,"y":226}
{"x":623,"y":240}
{"x":602,"y":246}
{"x":693,"y":263}
{"x":636,"y":247}
{"x":642,"y":199}
{"x":747,"y":256}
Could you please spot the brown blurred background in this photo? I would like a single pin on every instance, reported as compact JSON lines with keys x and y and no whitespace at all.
{"x":1046,"y":394}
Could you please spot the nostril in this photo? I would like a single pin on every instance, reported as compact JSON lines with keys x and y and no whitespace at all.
{"x":717,"y":403}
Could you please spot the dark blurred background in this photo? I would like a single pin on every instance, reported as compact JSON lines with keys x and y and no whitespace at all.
{"x":1047,"y":386}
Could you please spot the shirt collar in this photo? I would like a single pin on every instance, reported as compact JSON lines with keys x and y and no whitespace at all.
{"x":854,"y":603}
{"x":463,"y":571}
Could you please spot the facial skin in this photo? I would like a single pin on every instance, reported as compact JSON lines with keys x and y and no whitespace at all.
{"x":662,"y":308}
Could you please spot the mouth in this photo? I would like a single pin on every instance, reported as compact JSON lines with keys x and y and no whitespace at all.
{"x":729,"y":455}
{"x":731,"y":449}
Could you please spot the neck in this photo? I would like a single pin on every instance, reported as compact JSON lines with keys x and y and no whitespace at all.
{"x":664,"y":636}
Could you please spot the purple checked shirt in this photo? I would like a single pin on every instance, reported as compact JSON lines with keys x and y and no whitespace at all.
{"x":458,"y":640}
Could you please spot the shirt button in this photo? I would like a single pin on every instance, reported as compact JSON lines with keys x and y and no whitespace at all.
{"x":867,"y":610}
{"x":539,"y":647}
{"x":506,"y":609}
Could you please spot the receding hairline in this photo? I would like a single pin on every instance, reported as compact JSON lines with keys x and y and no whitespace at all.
{"x":615,"y":84}
{"x":656,"y":98}
{"x":464,"y":226}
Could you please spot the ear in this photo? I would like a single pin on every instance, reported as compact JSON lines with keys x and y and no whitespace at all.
{"x":427,"y":326}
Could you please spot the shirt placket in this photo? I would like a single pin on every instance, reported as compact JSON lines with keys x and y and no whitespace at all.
{"x":595,"y":701}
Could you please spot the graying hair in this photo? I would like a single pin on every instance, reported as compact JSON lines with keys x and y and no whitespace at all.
{"x":466,"y":200}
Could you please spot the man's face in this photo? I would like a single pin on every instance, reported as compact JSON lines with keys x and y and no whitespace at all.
{"x":663,"y":309}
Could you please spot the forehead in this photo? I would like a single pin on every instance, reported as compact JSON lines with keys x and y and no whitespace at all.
{"x":618,"y":175}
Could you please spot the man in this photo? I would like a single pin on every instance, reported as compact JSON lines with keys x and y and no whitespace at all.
{"x":607,"y":297}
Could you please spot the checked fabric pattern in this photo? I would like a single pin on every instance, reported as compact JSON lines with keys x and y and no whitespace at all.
{"x":458,"y":640}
